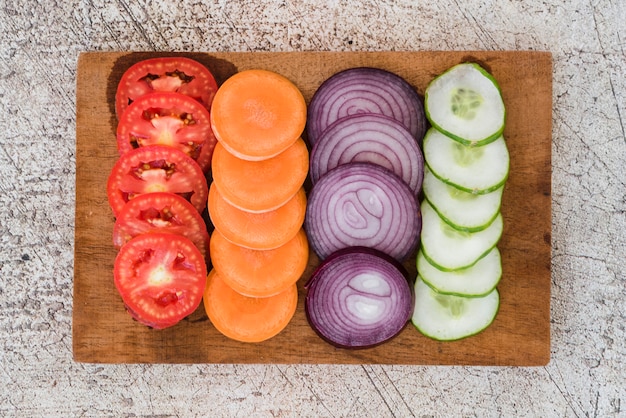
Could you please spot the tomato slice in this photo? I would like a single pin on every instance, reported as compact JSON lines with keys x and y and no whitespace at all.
{"x":179,"y":74}
{"x":161,"y":212}
{"x":170,"y":119}
{"x":156,"y":168}
{"x":161,"y":278}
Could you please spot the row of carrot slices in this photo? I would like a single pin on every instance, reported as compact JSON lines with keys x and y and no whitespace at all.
{"x":257,"y":205}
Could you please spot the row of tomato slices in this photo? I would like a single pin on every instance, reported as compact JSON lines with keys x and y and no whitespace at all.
{"x":158,"y":189}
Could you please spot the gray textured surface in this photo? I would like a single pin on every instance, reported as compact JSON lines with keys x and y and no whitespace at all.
{"x":39,"y":45}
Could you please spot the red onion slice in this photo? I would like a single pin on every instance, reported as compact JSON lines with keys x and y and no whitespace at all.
{"x":363,"y":204}
{"x":365,"y":90}
{"x":358,"y":298}
{"x":373,"y":138}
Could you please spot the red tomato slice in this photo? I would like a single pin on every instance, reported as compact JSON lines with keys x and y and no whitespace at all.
{"x":182,"y":75}
{"x":170,"y":119}
{"x":160,"y":212}
{"x":161,"y":278}
{"x":156,"y":169}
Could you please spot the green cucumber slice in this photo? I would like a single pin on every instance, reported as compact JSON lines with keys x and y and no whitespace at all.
{"x":465,"y":103}
{"x":461,"y":210}
{"x":477,"y":170}
{"x":474,"y":281}
{"x":447,"y":318}
{"x":449,"y":249}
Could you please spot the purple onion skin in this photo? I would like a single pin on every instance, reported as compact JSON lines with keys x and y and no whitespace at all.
{"x":408,"y":105}
{"x":376,"y":258}
{"x":399,"y":239}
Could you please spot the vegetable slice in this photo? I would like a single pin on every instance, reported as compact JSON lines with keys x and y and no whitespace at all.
{"x":257,"y":114}
{"x":178,"y":74}
{"x":358,"y":298}
{"x":365,"y":90}
{"x":171,"y":119}
{"x":246,"y":319}
{"x":477,"y":280}
{"x":160,"y":212}
{"x":260,"y":186}
{"x":370,"y":138}
{"x":261,"y":231}
{"x":362,"y":204}
{"x":156,"y":168}
{"x":449,"y":249}
{"x":477,"y":170}
{"x":259,"y":273}
{"x":448,"y":317}
{"x":461,"y":210}
{"x":466,"y":104}
{"x":161,"y":278}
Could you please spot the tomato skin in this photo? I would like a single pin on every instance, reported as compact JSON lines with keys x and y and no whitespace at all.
{"x":161,"y":278}
{"x":167,"y":118}
{"x":156,"y":168}
{"x":186,"y":76}
{"x":161,"y":212}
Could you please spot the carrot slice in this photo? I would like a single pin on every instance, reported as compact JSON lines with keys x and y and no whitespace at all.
{"x":259,"y":273}
{"x":257,"y":114}
{"x":260,"y":231}
{"x":244,"y":318}
{"x":259,"y":186}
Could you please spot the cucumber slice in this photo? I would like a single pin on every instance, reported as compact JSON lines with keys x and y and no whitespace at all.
{"x":449,"y":249}
{"x":474,"y":281}
{"x":466,"y":104}
{"x":477,"y":170}
{"x":447,"y":317}
{"x":461,"y":210}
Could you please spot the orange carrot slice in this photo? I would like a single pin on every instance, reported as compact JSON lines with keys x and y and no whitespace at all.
{"x":244,"y":318}
{"x":261,"y":231}
{"x":259,"y":273}
{"x":257,"y":114}
{"x":259,"y":186}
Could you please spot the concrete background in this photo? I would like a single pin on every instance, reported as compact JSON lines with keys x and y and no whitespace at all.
{"x":39,"y":45}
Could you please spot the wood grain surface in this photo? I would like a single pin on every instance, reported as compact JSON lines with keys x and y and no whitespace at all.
{"x":104,"y":333}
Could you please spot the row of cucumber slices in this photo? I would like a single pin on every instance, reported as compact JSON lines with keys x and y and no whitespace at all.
{"x":467,"y":165}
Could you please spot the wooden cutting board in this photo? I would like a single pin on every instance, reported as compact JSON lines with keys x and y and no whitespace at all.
{"x":104,"y":333}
